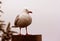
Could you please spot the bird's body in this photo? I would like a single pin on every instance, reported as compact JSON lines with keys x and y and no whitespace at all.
{"x":23,"y":20}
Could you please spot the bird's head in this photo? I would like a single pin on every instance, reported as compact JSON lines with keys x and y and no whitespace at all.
{"x":27,"y":11}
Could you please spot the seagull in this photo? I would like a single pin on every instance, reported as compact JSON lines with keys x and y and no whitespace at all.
{"x":8,"y":34}
{"x":23,"y":20}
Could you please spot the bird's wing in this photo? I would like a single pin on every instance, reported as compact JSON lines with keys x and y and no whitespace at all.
{"x":1,"y":11}
{"x":2,"y":30}
{"x":16,"y":20}
{"x":8,"y":27}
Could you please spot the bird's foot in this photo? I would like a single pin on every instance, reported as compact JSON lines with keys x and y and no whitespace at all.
{"x":27,"y":34}
{"x":20,"y":34}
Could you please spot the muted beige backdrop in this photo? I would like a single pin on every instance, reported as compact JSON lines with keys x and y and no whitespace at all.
{"x":46,"y":16}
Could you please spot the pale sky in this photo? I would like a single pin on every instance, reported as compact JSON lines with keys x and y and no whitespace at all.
{"x":46,"y":16}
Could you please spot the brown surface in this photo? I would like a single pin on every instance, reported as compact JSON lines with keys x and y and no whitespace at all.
{"x":27,"y":38}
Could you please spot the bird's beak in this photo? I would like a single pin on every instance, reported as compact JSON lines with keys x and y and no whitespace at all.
{"x":29,"y":11}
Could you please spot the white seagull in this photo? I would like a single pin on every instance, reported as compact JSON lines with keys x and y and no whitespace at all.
{"x":24,"y":20}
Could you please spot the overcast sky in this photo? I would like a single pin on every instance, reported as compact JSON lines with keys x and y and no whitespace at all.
{"x":46,"y":16}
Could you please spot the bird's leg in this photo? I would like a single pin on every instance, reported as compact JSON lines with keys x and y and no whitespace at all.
{"x":26,"y":31}
{"x":20,"y":30}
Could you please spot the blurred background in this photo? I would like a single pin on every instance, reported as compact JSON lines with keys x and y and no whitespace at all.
{"x":46,"y":16}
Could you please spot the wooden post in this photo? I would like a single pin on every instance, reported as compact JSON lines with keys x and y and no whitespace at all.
{"x":27,"y":38}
